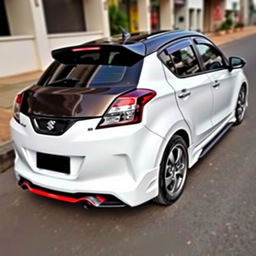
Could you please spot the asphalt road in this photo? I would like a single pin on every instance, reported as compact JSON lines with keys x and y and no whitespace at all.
{"x":215,"y":216}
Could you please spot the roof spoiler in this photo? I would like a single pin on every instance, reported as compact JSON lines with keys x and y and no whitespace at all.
{"x":130,"y":53}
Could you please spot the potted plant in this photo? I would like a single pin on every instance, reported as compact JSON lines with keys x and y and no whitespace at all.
{"x":236,"y":27}
{"x":240,"y":26}
{"x":223,"y":28}
{"x":229,"y":21}
{"x":117,"y":19}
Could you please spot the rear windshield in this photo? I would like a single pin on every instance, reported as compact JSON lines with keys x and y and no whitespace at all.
{"x":93,"y":69}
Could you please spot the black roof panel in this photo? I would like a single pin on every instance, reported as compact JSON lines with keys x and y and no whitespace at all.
{"x":144,"y":43}
{"x":152,"y":41}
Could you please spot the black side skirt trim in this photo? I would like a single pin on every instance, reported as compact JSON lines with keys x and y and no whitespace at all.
{"x":215,"y":140}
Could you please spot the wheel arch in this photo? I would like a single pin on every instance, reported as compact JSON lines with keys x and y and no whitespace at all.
{"x":180,"y":129}
{"x":243,"y":82}
{"x":184,"y":135}
{"x":246,"y":85}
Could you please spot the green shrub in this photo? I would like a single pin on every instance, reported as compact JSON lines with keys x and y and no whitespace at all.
{"x":117,"y":19}
{"x":229,"y":21}
{"x":239,"y":25}
{"x":227,"y":24}
{"x":224,"y":26}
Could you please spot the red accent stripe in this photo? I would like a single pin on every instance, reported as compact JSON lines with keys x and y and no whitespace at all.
{"x":101,"y":199}
{"x":58,"y":197}
{"x":96,"y":48}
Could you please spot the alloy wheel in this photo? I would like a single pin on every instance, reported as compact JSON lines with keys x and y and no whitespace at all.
{"x":175,"y":171}
{"x":241,"y":105}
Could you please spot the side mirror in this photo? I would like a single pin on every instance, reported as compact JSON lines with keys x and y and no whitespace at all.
{"x":236,"y":62}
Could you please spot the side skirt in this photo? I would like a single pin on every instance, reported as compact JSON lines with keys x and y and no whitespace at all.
{"x":196,"y":152}
{"x":215,"y":140}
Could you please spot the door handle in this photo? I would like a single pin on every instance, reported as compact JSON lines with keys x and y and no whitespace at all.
{"x":216,"y":84}
{"x":184,"y":93}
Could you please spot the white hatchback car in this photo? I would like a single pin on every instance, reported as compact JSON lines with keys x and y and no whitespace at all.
{"x":119,"y":121}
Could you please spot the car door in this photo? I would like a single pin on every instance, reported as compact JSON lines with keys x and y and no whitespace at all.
{"x":222,"y":81}
{"x":192,"y":87}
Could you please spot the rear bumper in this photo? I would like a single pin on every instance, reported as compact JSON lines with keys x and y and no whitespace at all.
{"x":118,"y":161}
{"x":87,"y":200}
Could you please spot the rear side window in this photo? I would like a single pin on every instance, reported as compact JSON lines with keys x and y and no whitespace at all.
{"x":212,"y":59}
{"x":181,"y":59}
{"x":185,"y":61}
{"x":93,"y":68}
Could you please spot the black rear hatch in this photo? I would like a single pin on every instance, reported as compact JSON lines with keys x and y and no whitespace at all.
{"x":84,"y":80}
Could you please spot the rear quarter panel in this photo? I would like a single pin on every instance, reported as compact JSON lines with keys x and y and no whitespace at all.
{"x":161,"y":115}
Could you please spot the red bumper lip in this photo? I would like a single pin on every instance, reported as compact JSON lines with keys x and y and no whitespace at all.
{"x":94,"y":201}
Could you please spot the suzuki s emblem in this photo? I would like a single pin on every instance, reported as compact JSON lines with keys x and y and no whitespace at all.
{"x":51,"y":125}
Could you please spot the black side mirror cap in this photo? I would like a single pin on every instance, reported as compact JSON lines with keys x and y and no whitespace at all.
{"x":236,"y":62}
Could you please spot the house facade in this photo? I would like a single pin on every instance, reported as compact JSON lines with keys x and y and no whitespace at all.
{"x":30,"y":29}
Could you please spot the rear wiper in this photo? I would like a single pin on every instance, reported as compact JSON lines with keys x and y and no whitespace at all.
{"x":64,"y":82}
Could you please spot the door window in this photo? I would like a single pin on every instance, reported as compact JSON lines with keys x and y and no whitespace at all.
{"x":181,"y":60}
{"x":211,"y":57}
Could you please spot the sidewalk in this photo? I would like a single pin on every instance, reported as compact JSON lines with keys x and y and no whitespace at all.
{"x":10,"y":86}
{"x":220,"y":40}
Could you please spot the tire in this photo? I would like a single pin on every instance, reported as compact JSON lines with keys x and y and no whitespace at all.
{"x":240,"y":106}
{"x":173,"y":171}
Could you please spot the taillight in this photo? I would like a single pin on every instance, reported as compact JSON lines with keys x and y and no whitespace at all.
{"x":17,"y":105}
{"x":127,"y":108}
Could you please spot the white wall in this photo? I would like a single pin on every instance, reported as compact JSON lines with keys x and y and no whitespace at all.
{"x":92,"y":10}
{"x":229,"y":4}
{"x":182,"y":11}
{"x":196,"y":8}
{"x":244,"y":6}
{"x":62,"y":40}
{"x":144,"y":15}
{"x":40,"y":33}
{"x":199,"y":15}
{"x":166,"y":14}
{"x":96,"y":16}
{"x":195,"y":4}
{"x":19,"y":17}
{"x":21,"y":54}
{"x":18,"y":55}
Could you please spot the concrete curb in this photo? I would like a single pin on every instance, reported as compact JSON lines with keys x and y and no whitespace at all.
{"x":6,"y":156}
